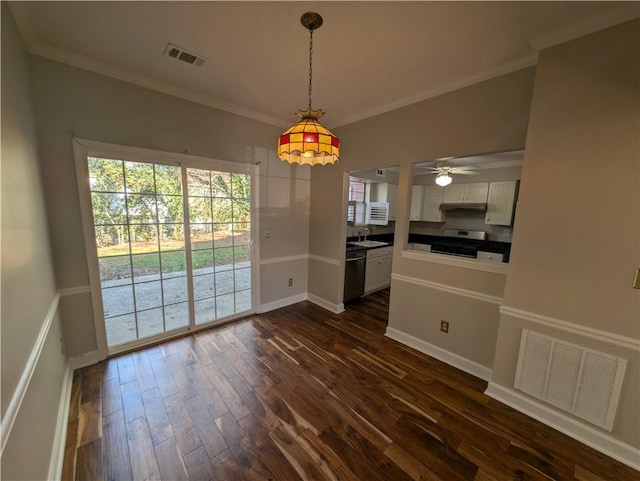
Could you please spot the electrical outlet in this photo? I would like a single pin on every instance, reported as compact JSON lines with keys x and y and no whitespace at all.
{"x":267,"y":233}
{"x":290,"y":281}
{"x":444,"y":326}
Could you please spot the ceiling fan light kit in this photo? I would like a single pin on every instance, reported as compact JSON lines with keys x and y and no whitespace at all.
{"x":444,"y":171}
{"x":443,"y":179}
{"x":308,"y":142}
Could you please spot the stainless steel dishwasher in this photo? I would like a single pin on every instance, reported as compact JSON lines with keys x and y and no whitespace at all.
{"x":354,"y":272}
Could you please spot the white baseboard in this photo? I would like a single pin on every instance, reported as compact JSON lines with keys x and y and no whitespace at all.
{"x":287,"y":301}
{"x":60,"y":437}
{"x":443,"y":355}
{"x":319,"y":301}
{"x":87,"y":359}
{"x":598,"y":440}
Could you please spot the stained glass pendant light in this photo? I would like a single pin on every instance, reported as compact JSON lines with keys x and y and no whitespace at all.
{"x":308,"y":142}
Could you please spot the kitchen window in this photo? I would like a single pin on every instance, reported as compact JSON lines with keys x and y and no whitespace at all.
{"x":357,"y":191}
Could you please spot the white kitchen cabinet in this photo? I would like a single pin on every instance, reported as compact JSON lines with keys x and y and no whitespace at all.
{"x":472,"y":193}
{"x":378,"y":270}
{"x":453,"y":194}
{"x":392,"y":200}
{"x":431,"y":200}
{"x":416,"y":202}
{"x":501,"y":202}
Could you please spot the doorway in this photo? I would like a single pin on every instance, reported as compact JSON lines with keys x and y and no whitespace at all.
{"x":172,"y":245}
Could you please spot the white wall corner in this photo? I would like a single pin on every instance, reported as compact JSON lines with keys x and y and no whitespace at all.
{"x":329,"y":306}
{"x":570,"y":426}
{"x":459,"y":362}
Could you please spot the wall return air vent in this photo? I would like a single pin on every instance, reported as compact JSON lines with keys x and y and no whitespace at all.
{"x":578,"y":380}
{"x":181,"y":54}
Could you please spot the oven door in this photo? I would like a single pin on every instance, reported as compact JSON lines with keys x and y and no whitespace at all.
{"x":454,"y":249}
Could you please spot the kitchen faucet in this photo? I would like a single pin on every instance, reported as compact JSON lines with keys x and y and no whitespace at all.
{"x":366,"y":233}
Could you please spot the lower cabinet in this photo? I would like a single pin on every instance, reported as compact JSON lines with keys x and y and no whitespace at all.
{"x":378,"y":270}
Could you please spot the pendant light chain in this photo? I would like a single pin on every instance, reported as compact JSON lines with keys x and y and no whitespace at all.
{"x":310,"y":63}
{"x":308,"y":142}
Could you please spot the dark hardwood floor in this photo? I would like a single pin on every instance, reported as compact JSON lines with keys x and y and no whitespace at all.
{"x":300,"y":393}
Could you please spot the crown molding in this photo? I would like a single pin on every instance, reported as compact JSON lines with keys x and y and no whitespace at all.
{"x":502,"y":69}
{"x":80,"y":61}
{"x":586,"y":26}
{"x":625,"y":12}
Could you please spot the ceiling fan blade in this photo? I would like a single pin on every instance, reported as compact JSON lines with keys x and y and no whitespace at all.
{"x":464,"y":172}
{"x":466,"y":167}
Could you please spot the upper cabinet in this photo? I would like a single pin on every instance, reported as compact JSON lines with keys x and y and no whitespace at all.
{"x":473,"y":193}
{"x":431,"y":199}
{"x":416,"y":203}
{"x":501,"y":202}
{"x":425,"y":203}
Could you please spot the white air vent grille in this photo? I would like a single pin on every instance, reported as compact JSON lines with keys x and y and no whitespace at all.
{"x":581,"y":381}
{"x":181,"y":54}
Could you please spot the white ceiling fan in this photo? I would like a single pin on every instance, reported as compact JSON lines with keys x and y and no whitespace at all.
{"x":444,"y":171}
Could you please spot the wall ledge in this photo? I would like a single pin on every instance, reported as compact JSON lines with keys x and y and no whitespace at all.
{"x":450,"y":289}
{"x":74,"y":291}
{"x":326,"y":260}
{"x":462,"y":262}
{"x":459,"y":362}
{"x":573,"y":428}
{"x":277,"y":260}
{"x":596,"y":334}
{"x":27,"y":373}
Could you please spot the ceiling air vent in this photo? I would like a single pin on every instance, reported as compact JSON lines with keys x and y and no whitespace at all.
{"x":181,"y":54}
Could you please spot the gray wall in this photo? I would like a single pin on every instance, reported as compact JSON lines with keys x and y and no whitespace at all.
{"x":489,"y":116}
{"x":76,"y":103}
{"x":29,"y":299}
{"x":580,"y":182}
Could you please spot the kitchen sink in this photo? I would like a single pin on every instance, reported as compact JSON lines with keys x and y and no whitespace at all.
{"x":369,"y":243}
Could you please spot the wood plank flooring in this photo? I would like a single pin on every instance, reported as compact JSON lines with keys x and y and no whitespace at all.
{"x":303,"y":394}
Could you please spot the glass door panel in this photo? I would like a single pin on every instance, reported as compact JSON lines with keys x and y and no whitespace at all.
{"x":220,"y":220}
{"x":139,"y":228}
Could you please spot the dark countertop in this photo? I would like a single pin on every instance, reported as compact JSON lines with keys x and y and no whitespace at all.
{"x":503,"y":248}
{"x":388,"y":238}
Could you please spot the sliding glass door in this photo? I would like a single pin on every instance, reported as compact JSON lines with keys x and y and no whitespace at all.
{"x":173,"y":246}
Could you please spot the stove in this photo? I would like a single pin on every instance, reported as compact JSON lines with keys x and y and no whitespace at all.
{"x":463,"y":243}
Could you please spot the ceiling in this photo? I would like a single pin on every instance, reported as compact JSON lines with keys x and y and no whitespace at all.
{"x":369,"y":57}
{"x":497,"y":160}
